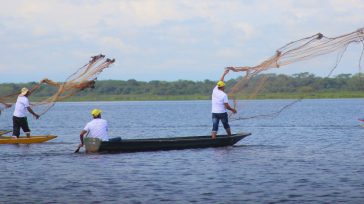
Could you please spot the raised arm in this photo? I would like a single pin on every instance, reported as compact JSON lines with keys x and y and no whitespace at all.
{"x":5,"y":104}
{"x":239,"y":69}
{"x":226,"y":71}
{"x":49,"y":82}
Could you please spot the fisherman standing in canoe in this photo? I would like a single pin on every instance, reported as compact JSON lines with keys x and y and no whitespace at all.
{"x":220,"y":105}
{"x":96,"y":128}
{"x":19,"y":116}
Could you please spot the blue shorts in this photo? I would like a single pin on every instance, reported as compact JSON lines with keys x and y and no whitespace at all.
{"x":216,"y":117}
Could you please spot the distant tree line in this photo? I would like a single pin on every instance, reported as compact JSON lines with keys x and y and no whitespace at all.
{"x":273,"y":84}
{"x":306,"y":82}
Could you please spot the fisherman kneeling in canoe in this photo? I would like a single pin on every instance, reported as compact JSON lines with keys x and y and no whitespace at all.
{"x":96,"y":128}
{"x":20,"y":111}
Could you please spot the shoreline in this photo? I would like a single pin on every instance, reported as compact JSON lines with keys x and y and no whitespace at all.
{"x":263,"y":96}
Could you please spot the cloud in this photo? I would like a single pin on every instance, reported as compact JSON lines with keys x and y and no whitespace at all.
{"x":227,"y":53}
{"x":151,"y":12}
{"x":159,"y":33}
{"x":244,"y":31}
{"x":117,"y":43}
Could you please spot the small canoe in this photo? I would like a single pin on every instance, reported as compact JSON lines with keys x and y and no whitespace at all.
{"x":26,"y":140}
{"x":157,"y":144}
{"x":3,"y":132}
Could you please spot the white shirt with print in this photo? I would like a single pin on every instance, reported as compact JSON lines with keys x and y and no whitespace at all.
{"x":218,"y":99}
{"x":21,"y":105}
{"x":97,"y":128}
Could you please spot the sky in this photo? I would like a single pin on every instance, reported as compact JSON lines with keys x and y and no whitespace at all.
{"x":166,"y":39}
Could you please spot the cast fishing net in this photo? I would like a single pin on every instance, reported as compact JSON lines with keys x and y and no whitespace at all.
{"x":82,"y":79}
{"x":301,"y":50}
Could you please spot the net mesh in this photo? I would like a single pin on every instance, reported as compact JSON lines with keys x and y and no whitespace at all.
{"x":293,"y":52}
{"x":82,"y":79}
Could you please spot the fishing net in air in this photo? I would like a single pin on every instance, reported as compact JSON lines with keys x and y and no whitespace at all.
{"x":83,"y":78}
{"x":301,"y":50}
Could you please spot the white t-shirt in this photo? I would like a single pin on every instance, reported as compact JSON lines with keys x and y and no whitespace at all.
{"x":218,"y":99}
{"x":21,"y":105}
{"x":97,"y":128}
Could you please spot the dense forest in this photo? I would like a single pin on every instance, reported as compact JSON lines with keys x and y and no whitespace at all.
{"x":304,"y":85}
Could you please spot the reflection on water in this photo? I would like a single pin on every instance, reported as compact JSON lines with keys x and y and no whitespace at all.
{"x":311,"y":153}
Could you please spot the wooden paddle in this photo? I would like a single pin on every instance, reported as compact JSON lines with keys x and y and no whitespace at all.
{"x":79,"y":146}
{"x":78,"y":149}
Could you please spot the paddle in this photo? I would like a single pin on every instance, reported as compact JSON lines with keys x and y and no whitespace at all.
{"x":78,"y":149}
{"x":80,"y":145}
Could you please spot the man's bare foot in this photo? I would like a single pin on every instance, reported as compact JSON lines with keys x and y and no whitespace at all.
{"x":213,"y":135}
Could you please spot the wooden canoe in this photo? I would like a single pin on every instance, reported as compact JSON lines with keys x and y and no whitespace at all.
{"x":156,"y":144}
{"x":25,"y":140}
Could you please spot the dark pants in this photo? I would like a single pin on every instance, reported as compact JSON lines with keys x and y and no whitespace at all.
{"x":18,"y":123}
{"x":216,"y":117}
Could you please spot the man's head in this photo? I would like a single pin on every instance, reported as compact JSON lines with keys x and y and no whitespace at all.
{"x":96,"y":113}
{"x":24,"y":91}
{"x":221,"y":85}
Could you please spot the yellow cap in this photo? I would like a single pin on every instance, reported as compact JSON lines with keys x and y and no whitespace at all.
{"x":24,"y":91}
{"x":220,"y":84}
{"x":96,"y":112}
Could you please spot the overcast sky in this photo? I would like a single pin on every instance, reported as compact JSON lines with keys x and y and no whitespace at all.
{"x":165,"y":39}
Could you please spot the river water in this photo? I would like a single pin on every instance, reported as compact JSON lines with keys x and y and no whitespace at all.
{"x":313,"y":152}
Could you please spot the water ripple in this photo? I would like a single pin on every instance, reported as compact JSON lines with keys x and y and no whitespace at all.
{"x":311,"y":153}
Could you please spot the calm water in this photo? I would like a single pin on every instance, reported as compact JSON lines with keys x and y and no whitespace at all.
{"x":311,"y":153}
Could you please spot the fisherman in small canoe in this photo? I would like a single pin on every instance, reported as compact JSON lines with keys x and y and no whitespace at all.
{"x":220,"y":105}
{"x":19,"y":116}
{"x":96,"y":128}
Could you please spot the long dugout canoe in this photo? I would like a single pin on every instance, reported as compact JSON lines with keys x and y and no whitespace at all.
{"x":156,"y":144}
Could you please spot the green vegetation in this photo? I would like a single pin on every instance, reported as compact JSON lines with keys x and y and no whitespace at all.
{"x":303,"y":85}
